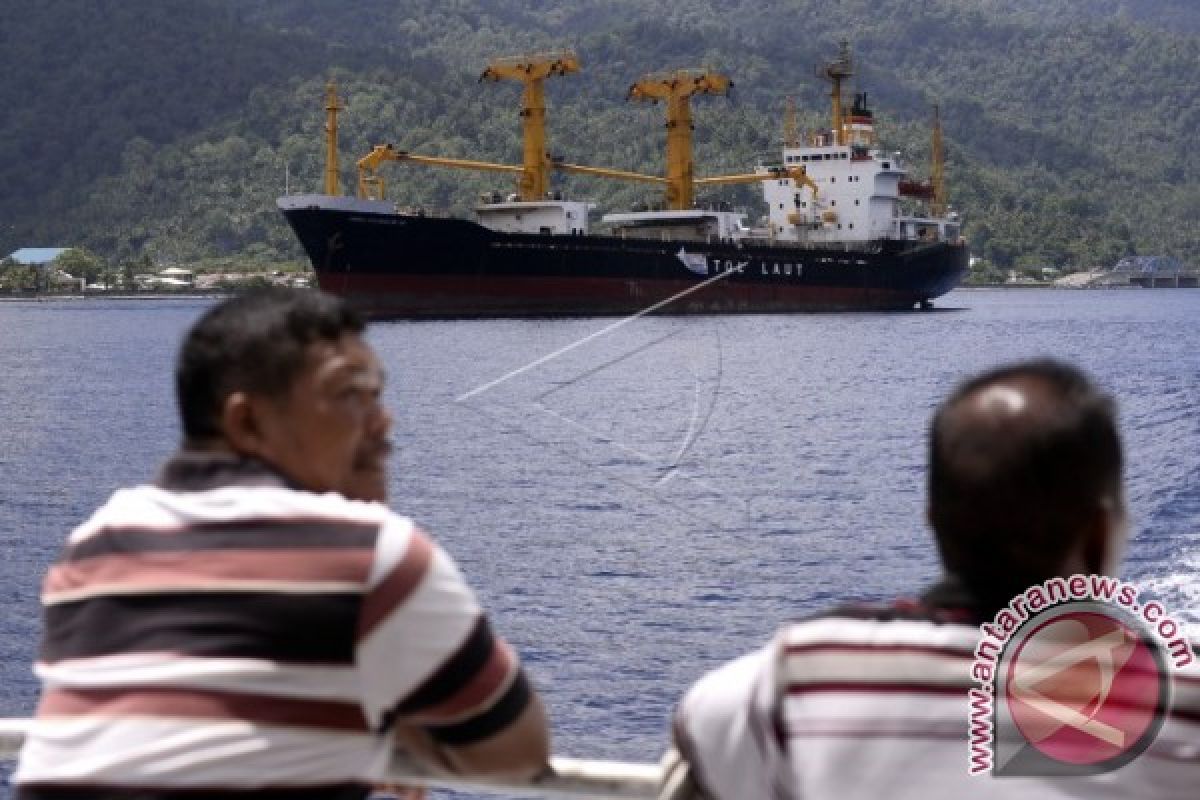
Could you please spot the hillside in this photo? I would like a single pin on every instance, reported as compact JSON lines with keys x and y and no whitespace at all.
{"x":168,"y":128}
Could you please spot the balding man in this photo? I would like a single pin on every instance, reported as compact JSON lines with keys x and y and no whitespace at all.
{"x":869,"y":702}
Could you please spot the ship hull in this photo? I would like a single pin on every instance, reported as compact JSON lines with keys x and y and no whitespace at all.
{"x":411,"y":266}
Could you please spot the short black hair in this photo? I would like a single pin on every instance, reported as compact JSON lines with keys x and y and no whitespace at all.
{"x":1007,"y":494}
{"x":255,"y":341}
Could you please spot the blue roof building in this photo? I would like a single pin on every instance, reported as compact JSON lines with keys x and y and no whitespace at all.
{"x":1162,"y":265}
{"x":37,"y":256}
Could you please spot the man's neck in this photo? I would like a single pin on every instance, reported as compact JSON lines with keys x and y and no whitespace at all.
{"x":199,"y":466}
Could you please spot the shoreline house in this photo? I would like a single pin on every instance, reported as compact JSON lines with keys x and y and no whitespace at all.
{"x":171,"y":278}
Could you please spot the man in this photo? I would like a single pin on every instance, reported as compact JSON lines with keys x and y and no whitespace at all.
{"x":258,"y":624}
{"x":1024,"y":486}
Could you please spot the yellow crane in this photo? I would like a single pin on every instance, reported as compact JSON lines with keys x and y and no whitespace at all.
{"x":835,"y":72}
{"x":533,"y":71}
{"x":677,"y":89}
{"x":533,"y":176}
{"x":332,"y":107}
{"x":937,"y":167}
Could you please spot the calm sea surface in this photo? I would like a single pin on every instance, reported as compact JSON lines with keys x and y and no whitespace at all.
{"x":633,"y":505}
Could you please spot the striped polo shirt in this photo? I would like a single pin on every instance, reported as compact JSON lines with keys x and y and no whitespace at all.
{"x":873,"y":702}
{"x":224,"y":634}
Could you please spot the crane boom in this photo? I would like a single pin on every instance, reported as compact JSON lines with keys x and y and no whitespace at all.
{"x":798,"y":174}
{"x":371,"y":184}
{"x":604,"y":172}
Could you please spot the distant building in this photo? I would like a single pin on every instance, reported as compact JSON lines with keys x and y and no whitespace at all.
{"x":1154,"y":272}
{"x":1147,"y":265}
{"x":37,"y":256}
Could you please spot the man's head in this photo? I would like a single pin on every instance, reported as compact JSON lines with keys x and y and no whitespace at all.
{"x":284,"y":376}
{"x":1025,"y":479}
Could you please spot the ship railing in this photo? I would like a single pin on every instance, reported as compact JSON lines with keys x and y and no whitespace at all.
{"x":423,"y":211}
{"x":565,"y":777}
{"x":864,"y":246}
{"x":867,"y":246}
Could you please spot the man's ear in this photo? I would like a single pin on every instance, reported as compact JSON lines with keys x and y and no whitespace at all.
{"x":241,"y":423}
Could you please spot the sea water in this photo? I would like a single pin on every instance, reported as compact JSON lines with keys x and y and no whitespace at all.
{"x":635,"y":500}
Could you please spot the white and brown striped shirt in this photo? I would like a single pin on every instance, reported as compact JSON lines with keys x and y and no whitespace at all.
{"x":225,"y":632}
{"x":872,"y":702}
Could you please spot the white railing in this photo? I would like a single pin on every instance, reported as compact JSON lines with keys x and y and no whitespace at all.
{"x":567,"y":777}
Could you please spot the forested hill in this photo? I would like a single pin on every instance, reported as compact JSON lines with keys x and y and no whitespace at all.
{"x":167,"y":128}
{"x":1165,"y":14}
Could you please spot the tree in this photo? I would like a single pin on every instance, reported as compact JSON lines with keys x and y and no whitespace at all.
{"x":127,"y":279}
{"x":9,"y":274}
{"x":15,"y":276}
{"x":80,"y":263}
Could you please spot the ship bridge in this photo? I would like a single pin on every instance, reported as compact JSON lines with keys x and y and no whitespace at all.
{"x":855,"y":188}
{"x":856,"y":197}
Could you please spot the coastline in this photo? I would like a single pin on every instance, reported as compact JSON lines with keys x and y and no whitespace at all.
{"x":196,"y":294}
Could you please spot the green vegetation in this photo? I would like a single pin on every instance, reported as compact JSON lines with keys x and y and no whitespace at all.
{"x":163,"y":129}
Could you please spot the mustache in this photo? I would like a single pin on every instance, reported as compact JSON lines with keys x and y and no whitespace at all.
{"x":375,"y":452}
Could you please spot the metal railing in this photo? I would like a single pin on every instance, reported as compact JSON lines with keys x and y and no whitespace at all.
{"x":566,"y":777}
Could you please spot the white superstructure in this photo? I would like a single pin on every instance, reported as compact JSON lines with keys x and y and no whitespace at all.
{"x":857,"y":195}
{"x":693,"y":224}
{"x":547,"y":216}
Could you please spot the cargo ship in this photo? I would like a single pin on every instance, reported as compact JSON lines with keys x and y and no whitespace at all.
{"x":834,"y":238}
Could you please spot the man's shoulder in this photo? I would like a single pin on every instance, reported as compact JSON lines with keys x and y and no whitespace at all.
{"x":853,"y":642}
{"x":155,"y":509}
{"x":864,"y":623}
{"x":860,"y":646}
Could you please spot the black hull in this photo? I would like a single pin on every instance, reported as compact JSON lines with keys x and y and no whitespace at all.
{"x":397,"y":265}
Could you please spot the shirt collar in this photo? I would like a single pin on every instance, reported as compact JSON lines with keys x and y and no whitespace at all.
{"x":199,"y":470}
{"x":951,"y":598}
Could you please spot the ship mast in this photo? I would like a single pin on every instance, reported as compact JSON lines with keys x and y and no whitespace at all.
{"x":677,"y":88}
{"x":791,"y":131}
{"x":937,"y":167}
{"x":835,"y":72}
{"x":332,"y":107}
{"x":533,"y":71}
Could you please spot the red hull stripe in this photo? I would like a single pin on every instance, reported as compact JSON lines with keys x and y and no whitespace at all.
{"x":198,"y":704}
{"x":398,"y":585}
{"x":431,"y":295}
{"x":168,"y":570}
